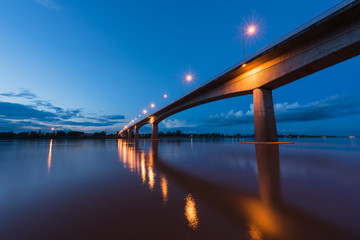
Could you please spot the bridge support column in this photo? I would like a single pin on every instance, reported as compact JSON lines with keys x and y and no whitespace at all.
{"x":136,"y":132}
{"x":264,"y":116}
{"x":154,"y":131}
{"x":129,"y":135}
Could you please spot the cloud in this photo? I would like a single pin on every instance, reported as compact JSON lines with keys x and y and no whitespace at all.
{"x":328,"y":108}
{"x":19,"y":111}
{"x":40,"y":114}
{"x":114,"y":117}
{"x":23,"y":94}
{"x":50,"y":4}
{"x":169,"y":124}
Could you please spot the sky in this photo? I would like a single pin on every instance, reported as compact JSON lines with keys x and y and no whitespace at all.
{"x":93,"y":65}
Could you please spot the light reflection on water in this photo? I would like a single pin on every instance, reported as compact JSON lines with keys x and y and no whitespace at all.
{"x":191,"y":213}
{"x":164,"y":189}
{"x":49,"y":157}
{"x":234,"y":190}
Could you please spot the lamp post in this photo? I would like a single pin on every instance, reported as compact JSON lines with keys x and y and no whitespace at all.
{"x":188,"y":78}
{"x":164,"y":96}
{"x":249,"y":30}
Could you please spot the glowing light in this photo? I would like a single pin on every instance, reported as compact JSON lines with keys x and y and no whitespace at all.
{"x":244,"y":65}
{"x":143,"y":169}
{"x":164,"y":189}
{"x":132,"y":121}
{"x":139,"y":115}
{"x":251,"y":29}
{"x":152,"y":119}
{"x":151,"y":175}
{"x":144,"y":111}
{"x":191,"y":212}
{"x":165,"y":96}
{"x":189,"y":77}
{"x":152,"y":105}
{"x":50,"y":155}
{"x":52,"y":129}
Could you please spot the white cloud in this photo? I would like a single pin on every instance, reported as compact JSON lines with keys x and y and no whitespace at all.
{"x":175,"y":123}
{"x":328,"y":108}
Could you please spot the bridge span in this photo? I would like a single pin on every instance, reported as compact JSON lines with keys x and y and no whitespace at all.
{"x":326,"y":40}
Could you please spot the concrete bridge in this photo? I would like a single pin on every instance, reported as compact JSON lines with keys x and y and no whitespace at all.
{"x":326,"y":40}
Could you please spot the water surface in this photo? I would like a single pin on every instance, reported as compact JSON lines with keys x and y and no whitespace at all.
{"x":179,"y":189}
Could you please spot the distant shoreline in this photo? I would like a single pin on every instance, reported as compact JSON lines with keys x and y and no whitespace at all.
{"x":103,"y":135}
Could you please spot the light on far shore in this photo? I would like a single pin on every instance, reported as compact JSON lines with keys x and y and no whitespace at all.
{"x":52,"y":129}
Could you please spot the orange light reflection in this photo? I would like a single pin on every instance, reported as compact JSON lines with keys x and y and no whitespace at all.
{"x":143,"y":169}
{"x":191,"y":212}
{"x":164,"y":189}
{"x":151,"y":175}
{"x":50,"y":155}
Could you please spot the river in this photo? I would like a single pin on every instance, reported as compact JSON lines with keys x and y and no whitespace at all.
{"x":180,"y":189}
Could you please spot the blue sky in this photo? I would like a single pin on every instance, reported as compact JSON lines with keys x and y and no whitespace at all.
{"x":94,"y":65}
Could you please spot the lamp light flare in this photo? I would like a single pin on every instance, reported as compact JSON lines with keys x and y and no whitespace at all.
{"x":251,"y":29}
{"x":165,"y":96}
{"x":152,"y":105}
{"x":144,"y":111}
{"x":52,"y":129}
{"x":189,"y":77}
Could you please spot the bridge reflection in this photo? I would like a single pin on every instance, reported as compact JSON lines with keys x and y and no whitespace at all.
{"x":266,"y":216}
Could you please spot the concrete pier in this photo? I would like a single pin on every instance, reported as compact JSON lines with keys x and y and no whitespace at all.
{"x":136,"y":132}
{"x":129,"y":134}
{"x":154,"y":131}
{"x":264,"y":116}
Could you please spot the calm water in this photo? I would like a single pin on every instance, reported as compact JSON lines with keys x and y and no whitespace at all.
{"x":179,"y":189}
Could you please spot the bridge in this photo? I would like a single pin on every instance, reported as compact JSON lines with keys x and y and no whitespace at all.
{"x":328,"y":39}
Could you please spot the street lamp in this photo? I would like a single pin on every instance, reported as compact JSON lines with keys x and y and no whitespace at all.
{"x":188,"y":78}
{"x":152,"y":105}
{"x":144,"y":111}
{"x":164,"y":96}
{"x":249,"y":30}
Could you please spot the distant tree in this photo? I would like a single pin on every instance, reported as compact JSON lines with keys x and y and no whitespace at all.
{"x":75,"y":134}
{"x":33,"y":134}
{"x":61,"y":134}
{"x":23,"y":134}
{"x":99,"y":134}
